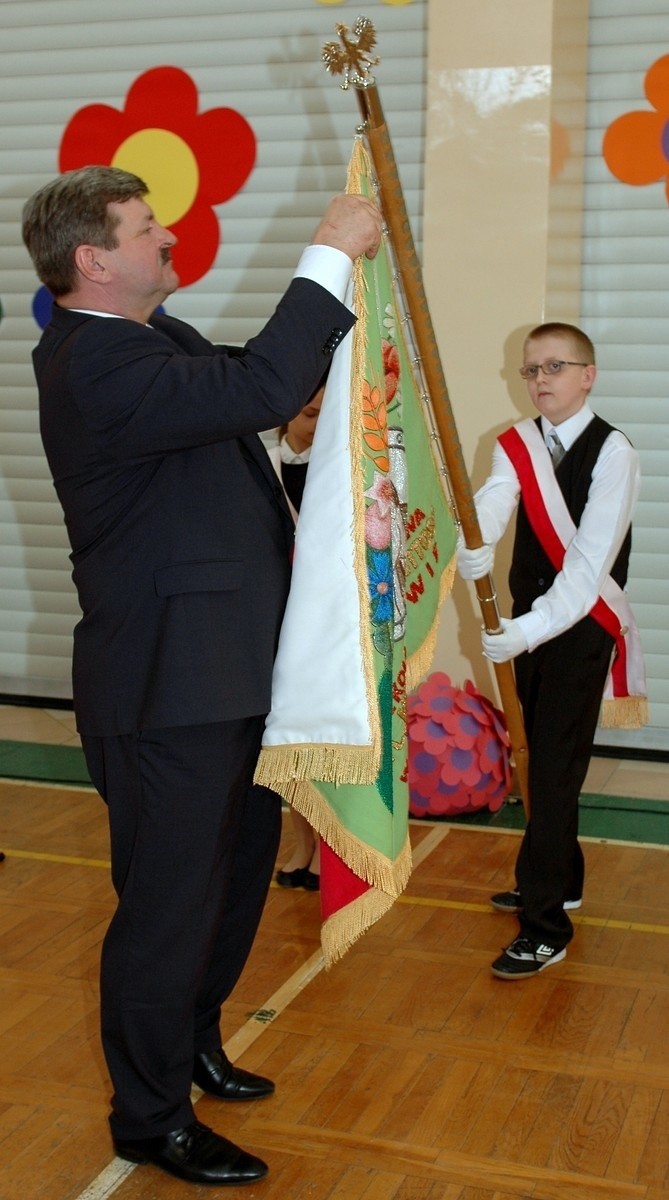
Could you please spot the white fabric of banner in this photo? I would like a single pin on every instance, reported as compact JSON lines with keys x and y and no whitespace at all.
{"x":318,"y":687}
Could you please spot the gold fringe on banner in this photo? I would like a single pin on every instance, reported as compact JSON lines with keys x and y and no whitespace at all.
{"x":389,"y":875}
{"x":358,"y":368}
{"x":333,"y":763}
{"x":624,"y":712}
{"x":420,"y":662}
{"x":346,"y":926}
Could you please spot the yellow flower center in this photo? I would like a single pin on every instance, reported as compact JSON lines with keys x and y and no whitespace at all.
{"x":167,"y":164}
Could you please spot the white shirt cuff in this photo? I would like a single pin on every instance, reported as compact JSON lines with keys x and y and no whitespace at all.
{"x":329,"y":267}
{"x":533,"y":628}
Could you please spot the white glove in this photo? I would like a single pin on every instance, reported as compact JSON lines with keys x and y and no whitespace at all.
{"x":474,"y":564}
{"x":500,"y":647}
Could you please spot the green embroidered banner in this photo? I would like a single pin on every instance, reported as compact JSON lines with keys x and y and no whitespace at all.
{"x":397,"y":545}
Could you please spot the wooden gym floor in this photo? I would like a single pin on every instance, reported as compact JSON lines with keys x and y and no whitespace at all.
{"x":407,"y":1072}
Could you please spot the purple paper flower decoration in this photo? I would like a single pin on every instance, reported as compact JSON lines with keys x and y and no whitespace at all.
{"x":459,"y":758}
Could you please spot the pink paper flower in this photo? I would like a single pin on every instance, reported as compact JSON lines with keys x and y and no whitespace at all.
{"x":459,"y":758}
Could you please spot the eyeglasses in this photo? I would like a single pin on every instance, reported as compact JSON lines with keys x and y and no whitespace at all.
{"x":552,"y":366}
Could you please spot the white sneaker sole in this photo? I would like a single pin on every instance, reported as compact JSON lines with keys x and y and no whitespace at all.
{"x":534,"y":969}
{"x":568,"y":906}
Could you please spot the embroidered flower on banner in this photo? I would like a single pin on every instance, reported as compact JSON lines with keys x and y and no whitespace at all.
{"x":384,"y":511}
{"x":380,"y":575}
{"x":190,"y":160}
{"x":636,"y":145}
{"x":391,"y":367}
{"x":378,"y":515}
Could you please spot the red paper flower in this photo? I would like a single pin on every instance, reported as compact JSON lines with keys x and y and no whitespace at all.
{"x":458,"y":750}
{"x":189,"y":160}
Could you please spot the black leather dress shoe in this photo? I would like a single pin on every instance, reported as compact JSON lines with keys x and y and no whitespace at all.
{"x":291,"y":879}
{"x":215,"y":1074}
{"x":196,"y":1154}
{"x":300,"y":877}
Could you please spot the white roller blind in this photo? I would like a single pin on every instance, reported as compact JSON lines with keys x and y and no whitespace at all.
{"x":625,"y":309}
{"x":256,"y":56}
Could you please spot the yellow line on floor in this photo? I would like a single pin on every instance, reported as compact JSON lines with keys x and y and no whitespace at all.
{"x":611,"y":923}
{"x":425,"y":847}
{"x":467,"y":906}
{"x":58,"y":858}
{"x":421,"y":852}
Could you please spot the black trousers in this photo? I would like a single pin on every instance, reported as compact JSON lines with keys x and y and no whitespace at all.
{"x":560,"y":686}
{"x":193,"y":847}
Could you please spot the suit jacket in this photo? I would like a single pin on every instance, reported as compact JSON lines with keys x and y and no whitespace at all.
{"x":178,"y":525}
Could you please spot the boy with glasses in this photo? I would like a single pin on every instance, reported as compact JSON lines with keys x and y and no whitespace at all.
{"x":575,"y":480}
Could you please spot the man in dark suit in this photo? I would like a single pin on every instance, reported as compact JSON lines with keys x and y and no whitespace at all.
{"x":180,"y":548}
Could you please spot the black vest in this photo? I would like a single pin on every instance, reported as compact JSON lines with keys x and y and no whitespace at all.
{"x":532,"y":572}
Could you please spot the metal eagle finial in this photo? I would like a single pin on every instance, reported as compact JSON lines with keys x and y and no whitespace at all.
{"x":352,"y":59}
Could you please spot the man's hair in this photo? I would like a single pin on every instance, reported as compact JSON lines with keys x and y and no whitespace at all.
{"x":70,"y":211}
{"x":580,"y":342}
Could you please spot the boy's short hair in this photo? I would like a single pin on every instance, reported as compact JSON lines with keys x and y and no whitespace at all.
{"x":580,"y":342}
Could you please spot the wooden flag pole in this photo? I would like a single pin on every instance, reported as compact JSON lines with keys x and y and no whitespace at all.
{"x":352,"y":59}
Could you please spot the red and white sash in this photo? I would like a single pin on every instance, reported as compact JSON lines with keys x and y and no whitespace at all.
{"x":624,"y":704}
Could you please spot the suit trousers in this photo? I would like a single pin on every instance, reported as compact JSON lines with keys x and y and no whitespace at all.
{"x":560,"y":686}
{"x":193,"y":847}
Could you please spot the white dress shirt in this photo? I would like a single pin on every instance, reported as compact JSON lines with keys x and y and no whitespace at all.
{"x":291,"y":457}
{"x":594,"y":548}
{"x":328,"y":266}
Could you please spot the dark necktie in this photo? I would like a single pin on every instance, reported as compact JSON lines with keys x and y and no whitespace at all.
{"x":556,"y":448}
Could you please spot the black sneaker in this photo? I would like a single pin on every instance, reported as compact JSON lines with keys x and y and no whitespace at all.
{"x":524,"y":957}
{"x":510,"y":902}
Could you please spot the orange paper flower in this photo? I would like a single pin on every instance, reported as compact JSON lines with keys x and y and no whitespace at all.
{"x":636,"y":145}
